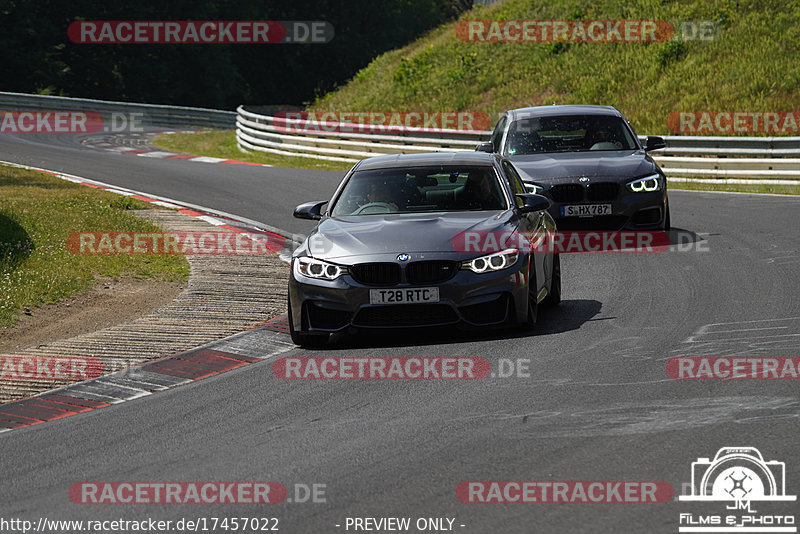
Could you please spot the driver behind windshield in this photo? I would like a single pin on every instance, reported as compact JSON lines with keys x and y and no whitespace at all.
{"x":382,"y":193}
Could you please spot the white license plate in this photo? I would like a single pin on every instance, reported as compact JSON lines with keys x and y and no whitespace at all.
{"x":404,"y":296}
{"x":585,"y":210}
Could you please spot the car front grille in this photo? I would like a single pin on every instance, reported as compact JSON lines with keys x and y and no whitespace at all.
{"x":418,"y":272}
{"x":406,"y":315}
{"x":603,"y":191}
{"x":567,"y":192}
{"x":601,"y":223}
{"x":376,"y":274}
{"x":430,"y":272}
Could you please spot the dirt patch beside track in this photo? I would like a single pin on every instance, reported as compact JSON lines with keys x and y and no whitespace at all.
{"x":108,"y":303}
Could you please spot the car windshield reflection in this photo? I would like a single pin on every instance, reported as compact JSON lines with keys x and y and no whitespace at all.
{"x":420,"y":189}
{"x":568,"y":133}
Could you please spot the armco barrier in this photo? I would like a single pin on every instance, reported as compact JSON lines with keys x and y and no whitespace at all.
{"x":151,"y":114}
{"x":768,"y":159}
{"x":764,"y":158}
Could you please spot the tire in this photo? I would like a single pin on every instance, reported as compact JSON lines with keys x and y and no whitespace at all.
{"x":533,"y":306}
{"x":305,"y":339}
{"x":553,"y":298}
{"x":667,"y":221}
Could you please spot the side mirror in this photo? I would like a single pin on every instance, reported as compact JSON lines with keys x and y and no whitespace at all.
{"x":533,"y":202}
{"x":310,"y":210}
{"x":655,"y":142}
{"x":486,"y":146}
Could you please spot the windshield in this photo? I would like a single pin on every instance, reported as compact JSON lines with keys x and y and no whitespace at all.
{"x":568,"y":133}
{"x":420,"y":189}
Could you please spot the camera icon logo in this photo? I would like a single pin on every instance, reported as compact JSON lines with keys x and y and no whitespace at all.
{"x":738,"y":474}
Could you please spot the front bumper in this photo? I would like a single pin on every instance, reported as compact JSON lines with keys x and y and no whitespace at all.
{"x":475,"y":299}
{"x":629,"y":211}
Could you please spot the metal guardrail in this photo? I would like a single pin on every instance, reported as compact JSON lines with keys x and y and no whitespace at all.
{"x":763,"y":158}
{"x":151,"y":114}
{"x":265,"y":133}
{"x":757,"y":157}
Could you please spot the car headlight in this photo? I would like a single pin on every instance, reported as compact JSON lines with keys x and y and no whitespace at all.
{"x":492,"y":262}
{"x":314,"y":268}
{"x":534,"y":188}
{"x":646,"y":184}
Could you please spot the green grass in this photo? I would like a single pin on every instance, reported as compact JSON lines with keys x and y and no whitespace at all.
{"x":751,"y":66}
{"x":222,"y":144}
{"x":37,"y":214}
{"x":744,"y":188}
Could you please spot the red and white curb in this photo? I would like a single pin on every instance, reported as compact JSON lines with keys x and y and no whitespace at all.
{"x":234,"y":223}
{"x":244,"y":348}
{"x":239,"y":350}
{"x":161,"y":154}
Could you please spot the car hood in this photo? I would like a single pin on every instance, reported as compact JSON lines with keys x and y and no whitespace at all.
{"x":565,"y":166}
{"x":391,"y":234}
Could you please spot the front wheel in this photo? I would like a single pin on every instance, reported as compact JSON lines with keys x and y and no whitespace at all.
{"x":554,"y":296}
{"x":305,"y":339}
{"x":533,"y":305}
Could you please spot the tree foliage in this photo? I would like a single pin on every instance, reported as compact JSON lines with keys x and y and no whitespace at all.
{"x":37,"y":56}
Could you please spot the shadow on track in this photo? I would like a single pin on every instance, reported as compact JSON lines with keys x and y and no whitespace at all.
{"x":569,"y":315}
{"x":681,"y":236}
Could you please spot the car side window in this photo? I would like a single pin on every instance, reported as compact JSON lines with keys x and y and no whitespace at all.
{"x":497,"y":135}
{"x":514,"y":182}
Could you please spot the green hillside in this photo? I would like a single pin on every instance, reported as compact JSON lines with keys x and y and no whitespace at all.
{"x":752,"y":65}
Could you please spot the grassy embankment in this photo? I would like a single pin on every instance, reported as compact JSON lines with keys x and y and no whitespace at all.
{"x":37,"y":214}
{"x":751,"y":65}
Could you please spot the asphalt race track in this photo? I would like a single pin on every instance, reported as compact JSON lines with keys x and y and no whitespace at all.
{"x":597,"y":404}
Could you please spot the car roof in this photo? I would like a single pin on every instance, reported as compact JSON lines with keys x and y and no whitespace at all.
{"x":544,"y":111}
{"x":395,"y":161}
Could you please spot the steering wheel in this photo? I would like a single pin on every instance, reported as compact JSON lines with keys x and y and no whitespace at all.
{"x":375,"y":207}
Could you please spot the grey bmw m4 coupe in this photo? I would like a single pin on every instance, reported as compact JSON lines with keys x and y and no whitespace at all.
{"x":423,"y":240}
{"x":589,"y":162}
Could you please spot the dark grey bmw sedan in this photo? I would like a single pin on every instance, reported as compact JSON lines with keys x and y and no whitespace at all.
{"x":423,"y":240}
{"x":589,"y":162}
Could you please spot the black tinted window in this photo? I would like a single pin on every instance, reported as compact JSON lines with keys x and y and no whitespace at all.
{"x":421,"y":189}
{"x":568,"y":133}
